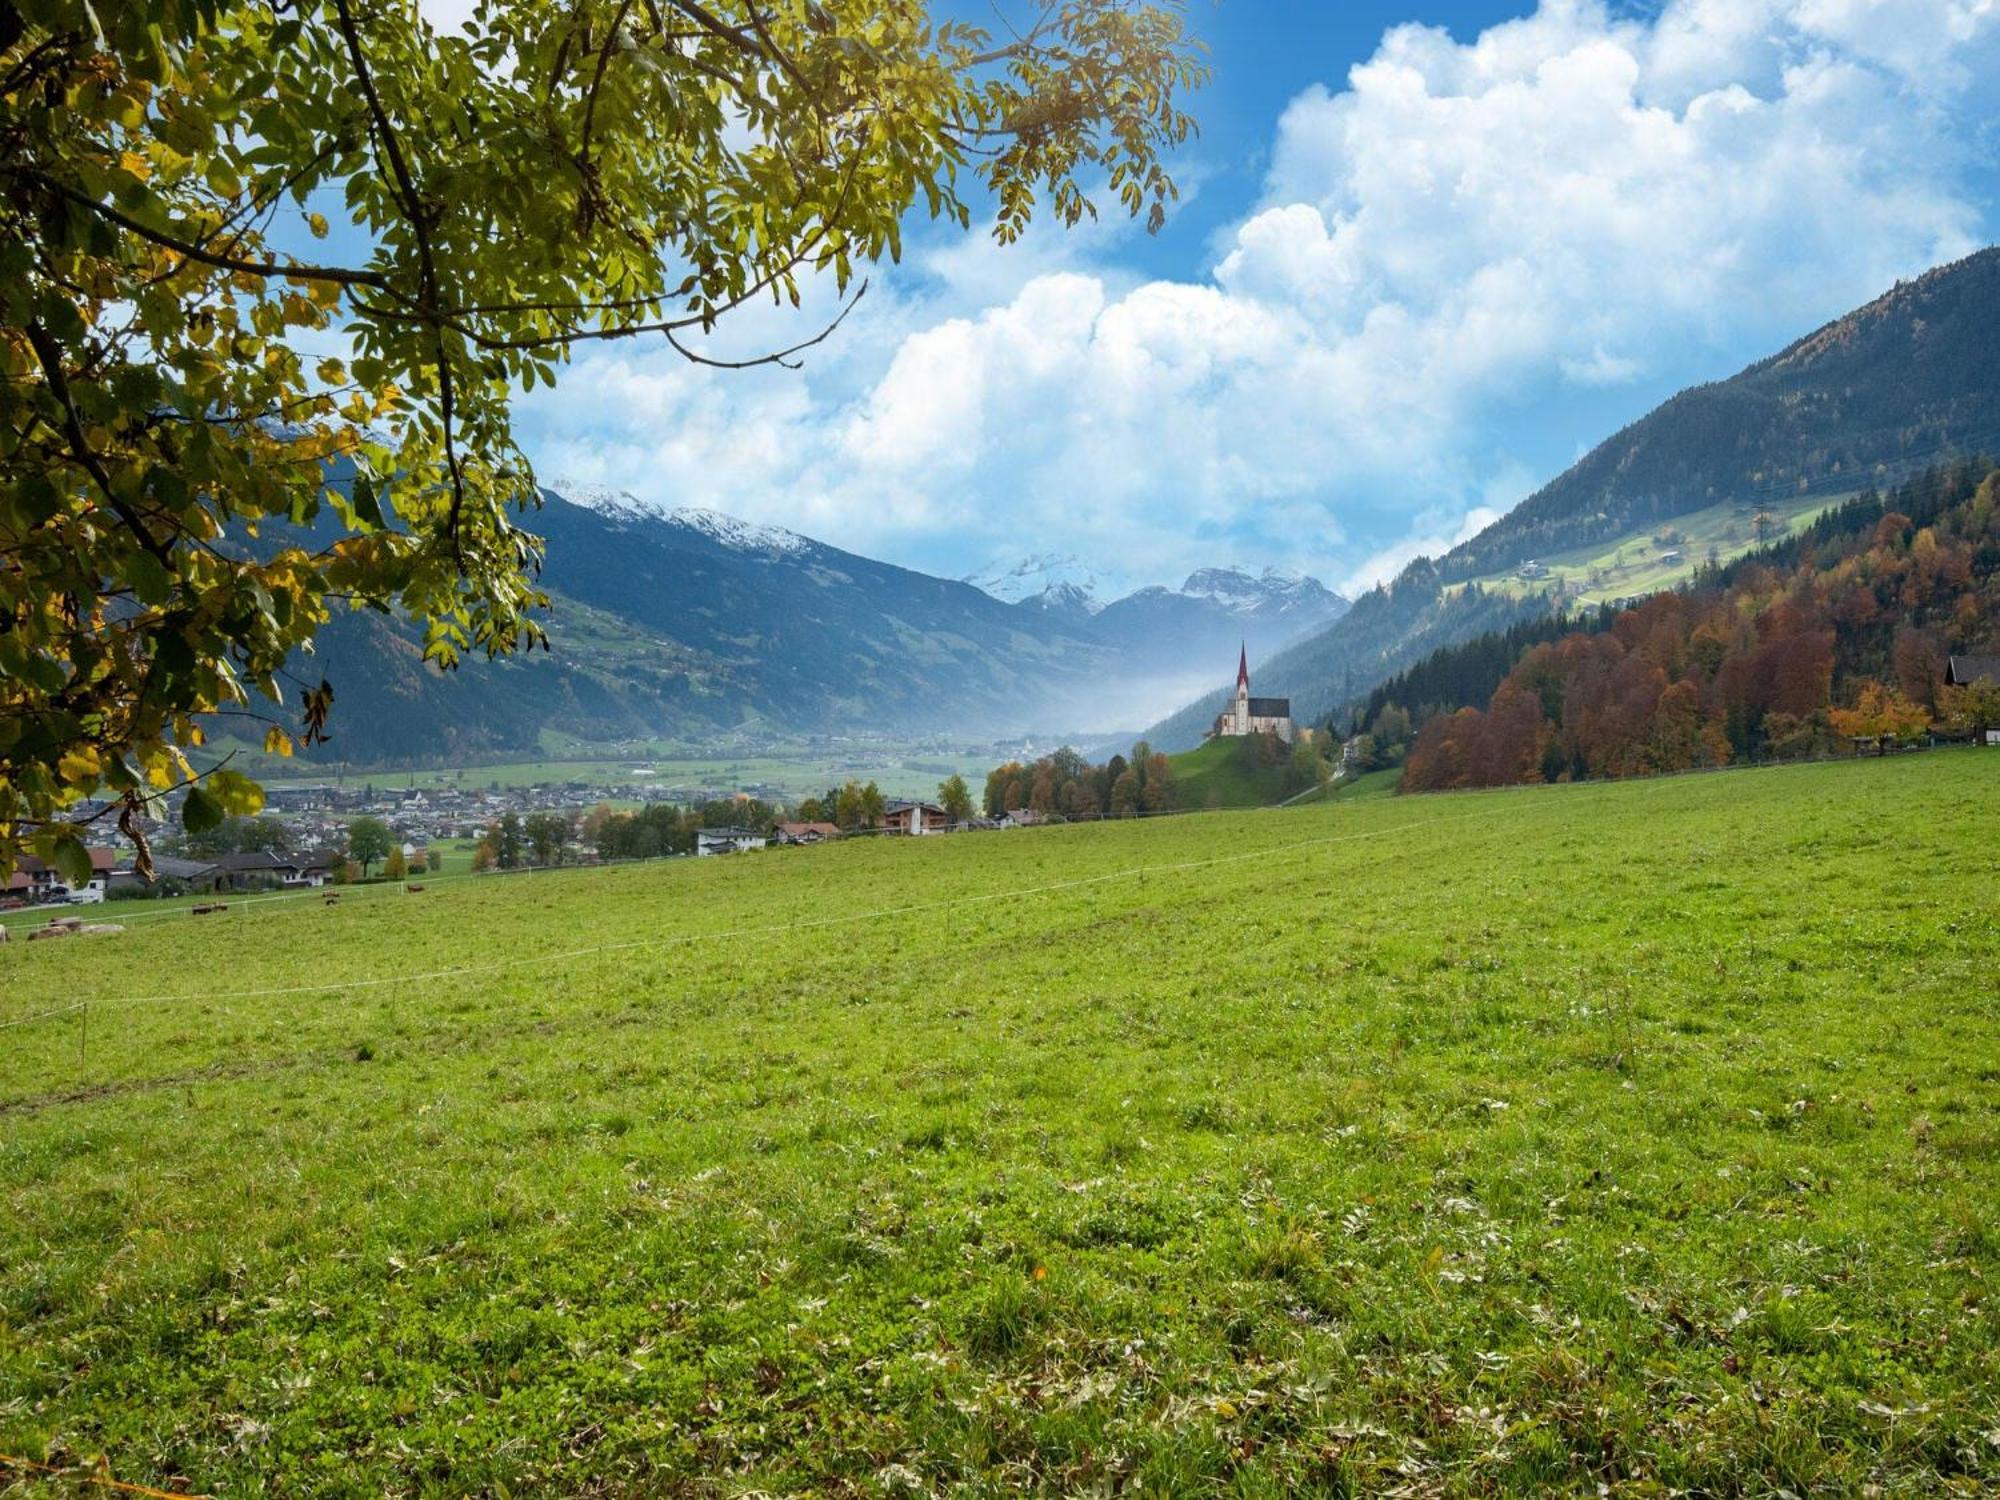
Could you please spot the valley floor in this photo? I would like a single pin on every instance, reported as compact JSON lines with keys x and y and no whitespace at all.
{"x":1641,"y":1136}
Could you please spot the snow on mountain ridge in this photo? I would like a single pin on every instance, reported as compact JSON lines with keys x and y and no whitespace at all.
{"x":622,"y":505}
{"x":619,"y":505}
{"x":732,"y":532}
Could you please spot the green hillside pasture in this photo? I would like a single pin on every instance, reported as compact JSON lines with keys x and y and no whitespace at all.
{"x":1635,"y":564}
{"x":1607,"y":1139}
{"x":1223,"y":773}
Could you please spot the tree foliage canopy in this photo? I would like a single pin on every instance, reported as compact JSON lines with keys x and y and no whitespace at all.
{"x":186,"y":385}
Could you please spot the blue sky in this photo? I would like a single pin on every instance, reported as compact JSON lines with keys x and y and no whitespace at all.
{"x":1429,"y":254}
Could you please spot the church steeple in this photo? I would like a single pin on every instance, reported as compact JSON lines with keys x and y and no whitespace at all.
{"x":1243,"y":667}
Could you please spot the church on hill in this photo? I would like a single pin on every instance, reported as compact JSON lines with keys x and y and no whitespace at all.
{"x":1248,"y":715}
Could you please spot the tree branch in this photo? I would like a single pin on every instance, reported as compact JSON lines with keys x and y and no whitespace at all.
{"x":49,"y":353}
{"x":419,"y":215}
{"x":298,"y":271}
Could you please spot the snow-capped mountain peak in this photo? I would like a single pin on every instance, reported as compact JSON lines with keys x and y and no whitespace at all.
{"x":1053,"y":579}
{"x":745,"y":536}
{"x":625,"y":507}
{"x":1241,"y":591}
{"x":608,"y":501}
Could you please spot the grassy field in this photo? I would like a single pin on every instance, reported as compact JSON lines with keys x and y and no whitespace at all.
{"x":1619,"y":1139}
{"x":1363,"y":788}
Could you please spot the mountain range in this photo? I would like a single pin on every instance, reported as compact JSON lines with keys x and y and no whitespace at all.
{"x":1909,"y":380}
{"x":688,"y":624}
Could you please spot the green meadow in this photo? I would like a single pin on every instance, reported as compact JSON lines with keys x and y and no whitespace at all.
{"x":1624,"y":1139}
{"x":1637,"y":563}
{"x":1226,"y":772}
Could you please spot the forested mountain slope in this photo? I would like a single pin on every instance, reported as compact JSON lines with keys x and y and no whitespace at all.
{"x":1910,"y":380}
{"x":1846,"y":630}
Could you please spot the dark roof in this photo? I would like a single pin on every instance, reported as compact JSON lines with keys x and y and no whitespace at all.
{"x":1961,"y":670}
{"x":257,"y":859}
{"x":904,"y":804}
{"x":167,"y":867}
{"x":730,"y":833}
{"x":1270,"y":708}
{"x":102,"y":861}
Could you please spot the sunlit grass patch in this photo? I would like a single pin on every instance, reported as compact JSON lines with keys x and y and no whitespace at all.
{"x":1635,"y":1136}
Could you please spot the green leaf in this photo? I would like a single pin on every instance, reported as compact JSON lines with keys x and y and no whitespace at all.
{"x":200,"y":812}
{"x":73,"y":860}
{"x":236,"y":793}
{"x":150,"y":579}
{"x":367,"y":505}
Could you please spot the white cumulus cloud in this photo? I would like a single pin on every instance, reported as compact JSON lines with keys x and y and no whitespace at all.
{"x":1460,"y":241}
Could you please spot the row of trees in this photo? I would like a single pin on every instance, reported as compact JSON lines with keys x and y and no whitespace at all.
{"x":369,"y":840}
{"x":540,"y":840}
{"x":1067,"y":785}
{"x":1844,"y":635}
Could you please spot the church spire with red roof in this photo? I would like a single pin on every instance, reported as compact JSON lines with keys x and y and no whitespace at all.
{"x":1243,"y":666}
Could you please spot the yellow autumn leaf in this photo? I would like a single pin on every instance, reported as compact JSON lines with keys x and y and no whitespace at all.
{"x":277,"y":742}
{"x":136,"y":164}
{"x":80,"y":764}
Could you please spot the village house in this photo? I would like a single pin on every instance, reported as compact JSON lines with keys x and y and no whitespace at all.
{"x":915,"y":818}
{"x":1248,"y":715}
{"x":727,"y":840}
{"x":805,"y":833}
{"x":33,"y":883}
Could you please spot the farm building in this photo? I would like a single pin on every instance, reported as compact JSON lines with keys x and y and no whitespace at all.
{"x":1963,"y":671}
{"x":727,"y":840}
{"x":262,"y":870}
{"x":171,"y":873}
